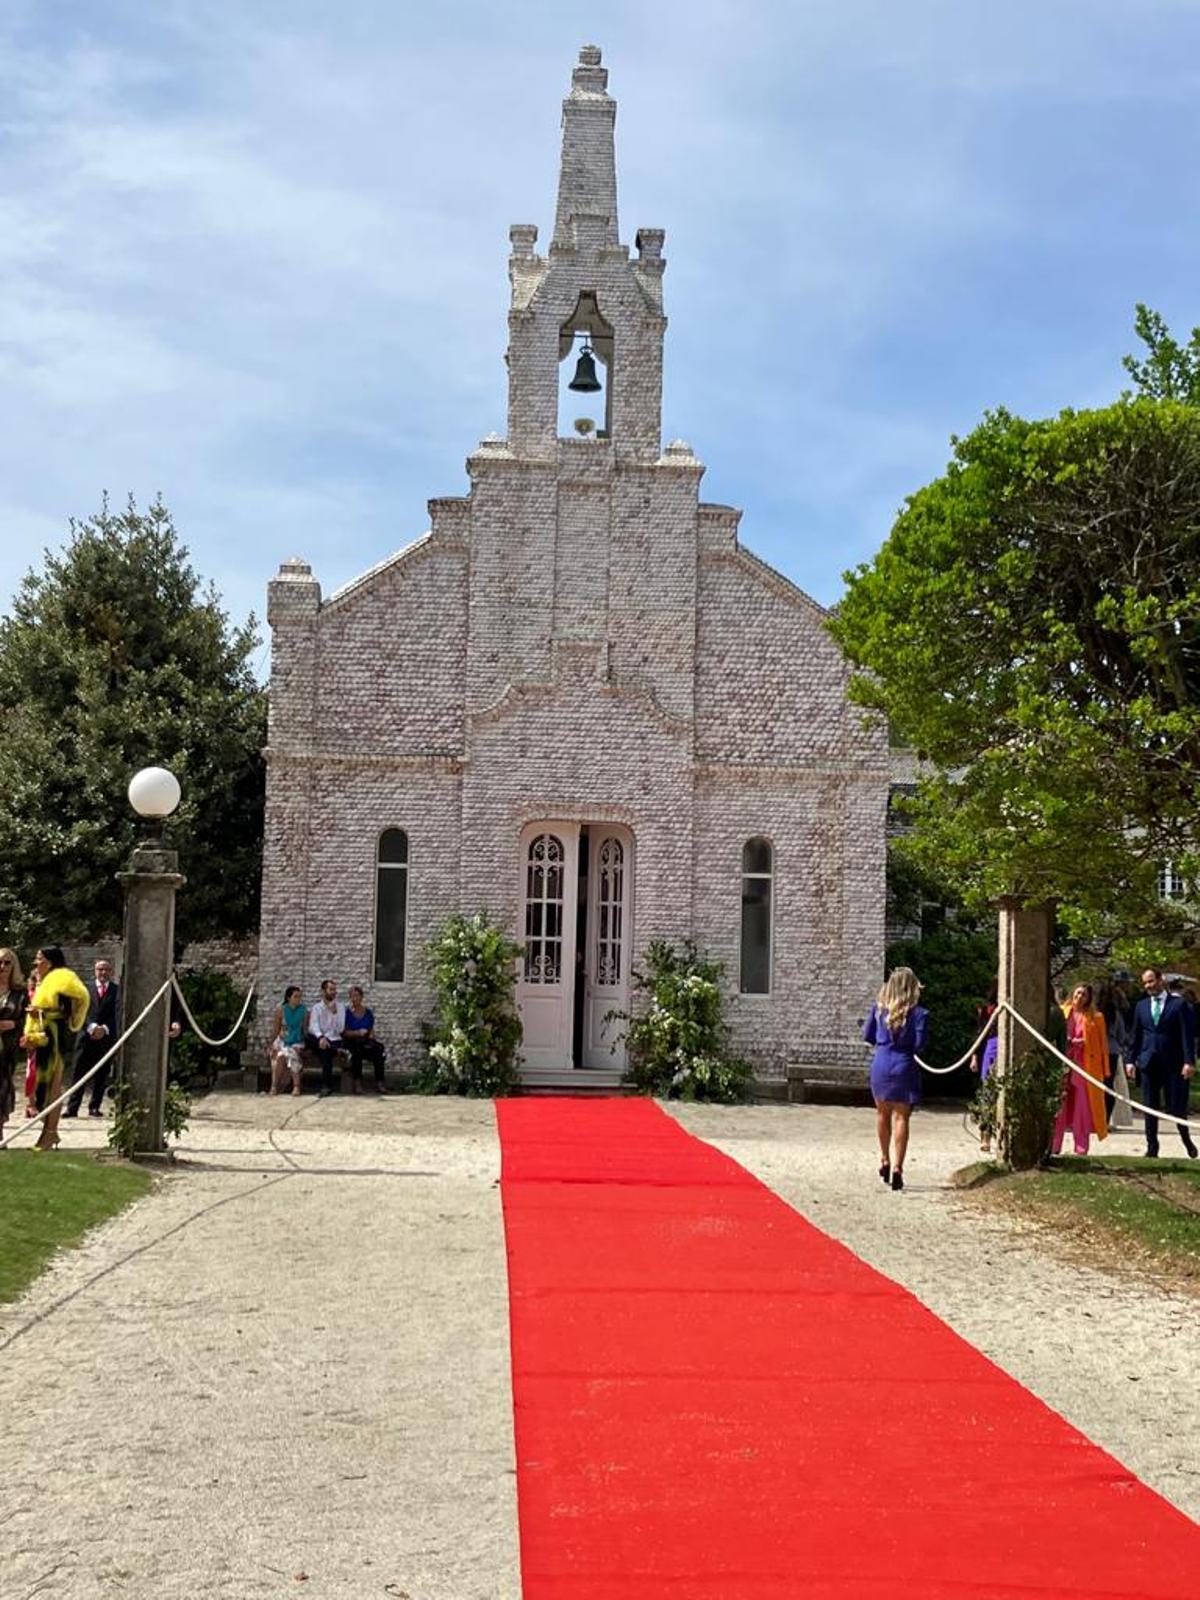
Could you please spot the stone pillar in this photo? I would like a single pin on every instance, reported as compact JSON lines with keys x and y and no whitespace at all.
{"x":149,"y":884}
{"x":1025,"y":937}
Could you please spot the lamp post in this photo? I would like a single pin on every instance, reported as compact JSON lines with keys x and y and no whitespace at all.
{"x":149,"y":882}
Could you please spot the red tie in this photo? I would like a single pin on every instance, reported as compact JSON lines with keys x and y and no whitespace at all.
{"x":100,"y":990}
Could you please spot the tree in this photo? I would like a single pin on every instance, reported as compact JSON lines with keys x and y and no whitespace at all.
{"x":1171,"y":371}
{"x":116,"y":657}
{"x":1032,"y":627}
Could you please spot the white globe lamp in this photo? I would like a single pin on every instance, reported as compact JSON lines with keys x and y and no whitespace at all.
{"x":154,"y":793}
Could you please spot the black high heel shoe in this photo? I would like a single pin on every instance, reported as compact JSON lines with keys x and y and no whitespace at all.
{"x":897,"y":1179}
{"x":885,"y":1171}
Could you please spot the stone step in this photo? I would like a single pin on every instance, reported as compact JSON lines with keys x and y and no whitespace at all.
{"x":573,"y":1080}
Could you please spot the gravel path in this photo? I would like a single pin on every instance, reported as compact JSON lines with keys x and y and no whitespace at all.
{"x":286,"y":1372}
{"x":1116,"y":1356}
{"x":309,"y":1375}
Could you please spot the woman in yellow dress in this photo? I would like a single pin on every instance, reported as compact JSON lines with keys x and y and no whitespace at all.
{"x":56,"y":1011}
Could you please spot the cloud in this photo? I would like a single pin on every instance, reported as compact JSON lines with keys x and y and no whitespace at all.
{"x":260,"y":265}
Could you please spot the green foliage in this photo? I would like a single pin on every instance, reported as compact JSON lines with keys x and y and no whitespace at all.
{"x":115,"y":657}
{"x":1171,"y":371}
{"x":956,"y":964}
{"x":48,"y":1204}
{"x":473,"y":1046}
{"x":177,"y":1107}
{"x":215,"y":1002}
{"x":129,"y":1116}
{"x":1032,"y":627}
{"x":125,"y":1123}
{"x":1033,"y":1091}
{"x":679,"y":1044}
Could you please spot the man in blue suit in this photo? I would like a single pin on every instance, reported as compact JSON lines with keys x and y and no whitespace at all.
{"x":1163,"y":1051}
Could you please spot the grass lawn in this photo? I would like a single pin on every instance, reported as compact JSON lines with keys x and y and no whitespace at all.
{"x":48,"y":1202}
{"x":1150,"y":1210}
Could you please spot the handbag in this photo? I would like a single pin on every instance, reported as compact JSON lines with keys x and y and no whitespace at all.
{"x":36,"y":1037}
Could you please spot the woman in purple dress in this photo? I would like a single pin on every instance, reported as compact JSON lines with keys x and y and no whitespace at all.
{"x":897,"y":1028}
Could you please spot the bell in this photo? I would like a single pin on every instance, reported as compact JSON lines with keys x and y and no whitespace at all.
{"x":585,"y":380}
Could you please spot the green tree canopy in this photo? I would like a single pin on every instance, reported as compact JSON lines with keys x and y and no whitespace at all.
{"x":116,"y":657}
{"x":1170,"y":371}
{"x":1032,"y":627}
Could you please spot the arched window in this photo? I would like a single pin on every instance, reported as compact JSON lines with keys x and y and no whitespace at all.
{"x":391,"y":905}
{"x":757,"y":879}
{"x":544,"y":888}
{"x":610,"y":912}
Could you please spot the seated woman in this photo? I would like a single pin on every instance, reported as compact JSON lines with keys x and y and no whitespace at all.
{"x":287,"y":1037}
{"x":1082,"y":1108}
{"x":358,"y":1038}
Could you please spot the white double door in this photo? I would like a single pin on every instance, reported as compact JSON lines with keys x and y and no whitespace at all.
{"x":559,"y":972}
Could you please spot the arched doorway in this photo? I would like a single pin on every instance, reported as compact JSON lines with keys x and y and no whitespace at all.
{"x":576,"y":925}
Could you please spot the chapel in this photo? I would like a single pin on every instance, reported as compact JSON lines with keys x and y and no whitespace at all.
{"x":584,"y":706}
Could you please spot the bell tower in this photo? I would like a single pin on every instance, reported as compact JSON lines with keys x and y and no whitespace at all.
{"x":586,"y":297}
{"x":584,"y":537}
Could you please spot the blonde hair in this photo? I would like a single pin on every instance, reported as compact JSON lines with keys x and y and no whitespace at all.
{"x":898,"y":997}
{"x":16,"y":977}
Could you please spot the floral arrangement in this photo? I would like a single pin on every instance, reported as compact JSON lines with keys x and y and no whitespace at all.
{"x":472,"y":1048}
{"x":679,"y":1043}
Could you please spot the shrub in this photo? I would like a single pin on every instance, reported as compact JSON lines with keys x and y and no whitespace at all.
{"x":216,"y":1003}
{"x":1033,"y":1091}
{"x":129,"y":1115}
{"x":473,"y":1045}
{"x":955,"y":965}
{"x":679,"y":1044}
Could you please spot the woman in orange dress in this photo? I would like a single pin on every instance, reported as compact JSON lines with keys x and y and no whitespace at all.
{"x":1082,"y":1108}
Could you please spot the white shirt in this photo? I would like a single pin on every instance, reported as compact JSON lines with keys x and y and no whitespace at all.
{"x":327,"y":1022}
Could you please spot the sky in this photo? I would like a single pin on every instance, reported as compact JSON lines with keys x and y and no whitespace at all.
{"x":253,"y":256}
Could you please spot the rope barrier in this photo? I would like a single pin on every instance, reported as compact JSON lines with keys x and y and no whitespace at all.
{"x":963,"y":1059}
{"x":31,"y":1122}
{"x":196,"y":1028}
{"x":1099,"y":1083}
{"x":1135,"y":1105}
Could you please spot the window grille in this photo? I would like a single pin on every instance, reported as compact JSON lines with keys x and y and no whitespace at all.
{"x":544,"y":887}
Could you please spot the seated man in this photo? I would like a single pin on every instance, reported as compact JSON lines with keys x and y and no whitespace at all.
{"x":326,"y":1023}
{"x":360,"y":1041}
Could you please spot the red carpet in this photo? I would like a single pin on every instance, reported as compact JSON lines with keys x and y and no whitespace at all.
{"x":715,"y":1401}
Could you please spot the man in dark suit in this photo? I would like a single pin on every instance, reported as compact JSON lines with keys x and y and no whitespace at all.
{"x":97,"y":1035}
{"x":1162,"y":1051}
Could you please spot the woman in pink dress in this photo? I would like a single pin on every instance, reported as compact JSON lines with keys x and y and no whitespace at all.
{"x":1082,"y":1108}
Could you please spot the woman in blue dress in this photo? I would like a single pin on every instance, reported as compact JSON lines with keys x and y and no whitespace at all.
{"x":897,"y":1028}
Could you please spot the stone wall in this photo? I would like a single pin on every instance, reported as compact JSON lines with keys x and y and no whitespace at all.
{"x":579,"y":638}
{"x":236,"y":958}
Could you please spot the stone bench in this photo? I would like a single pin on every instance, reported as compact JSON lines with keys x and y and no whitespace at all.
{"x":804,"y":1075}
{"x":256,"y":1069}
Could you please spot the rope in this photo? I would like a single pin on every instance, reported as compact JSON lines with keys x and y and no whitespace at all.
{"x":31,"y":1122}
{"x":1135,"y":1105}
{"x":963,"y":1059}
{"x":196,"y":1028}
